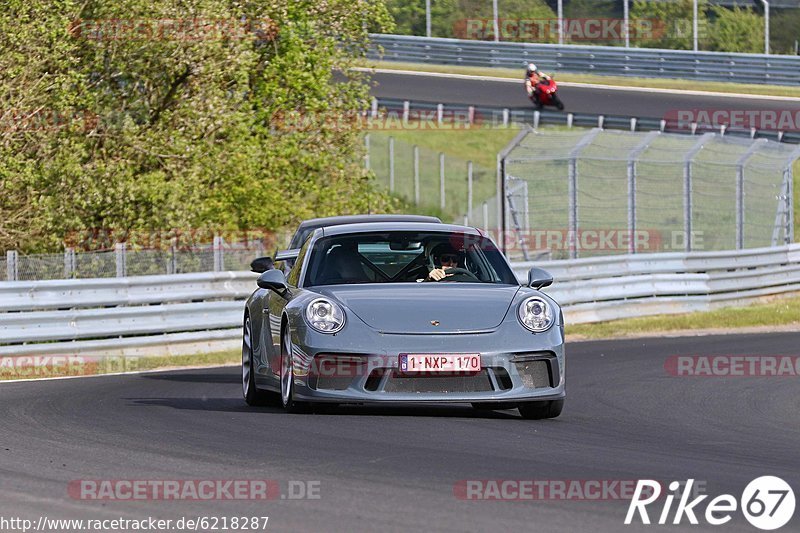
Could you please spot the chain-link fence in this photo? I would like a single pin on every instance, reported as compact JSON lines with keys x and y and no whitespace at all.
{"x":598,"y":192}
{"x":433,"y":182}
{"x":121,"y":261}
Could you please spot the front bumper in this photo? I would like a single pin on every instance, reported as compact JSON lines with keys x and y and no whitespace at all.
{"x":516,"y":366}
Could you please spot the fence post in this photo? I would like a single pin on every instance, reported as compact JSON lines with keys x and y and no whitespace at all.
{"x":12,"y":265}
{"x":416,"y":175}
{"x":391,"y":164}
{"x":740,"y":190}
{"x":172,"y":266}
{"x":120,"y":254}
{"x":469,"y":191}
{"x":442,"y":201}
{"x":633,"y":155}
{"x":572,"y":232}
{"x":486,"y":217}
{"x":687,"y":188}
{"x":219,"y":260}
{"x":69,"y":262}
{"x":366,"y":151}
{"x":789,"y":233}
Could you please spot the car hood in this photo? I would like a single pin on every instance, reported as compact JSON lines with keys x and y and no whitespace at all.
{"x":412,"y":308}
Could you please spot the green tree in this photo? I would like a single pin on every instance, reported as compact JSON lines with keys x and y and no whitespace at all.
{"x":668,"y":24}
{"x":737,"y":29}
{"x":159,"y":124}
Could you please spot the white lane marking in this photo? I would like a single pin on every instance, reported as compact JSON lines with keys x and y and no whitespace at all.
{"x":132,"y":372}
{"x":586,"y":85}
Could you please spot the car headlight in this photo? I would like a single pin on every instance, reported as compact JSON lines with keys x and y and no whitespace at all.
{"x":325,"y":316}
{"x":536,"y":314}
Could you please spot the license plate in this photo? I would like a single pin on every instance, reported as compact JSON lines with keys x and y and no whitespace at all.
{"x":430,"y":363}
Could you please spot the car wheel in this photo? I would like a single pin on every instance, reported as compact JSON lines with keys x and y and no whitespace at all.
{"x":540,"y":410}
{"x":252,"y":395}
{"x":287,"y":377}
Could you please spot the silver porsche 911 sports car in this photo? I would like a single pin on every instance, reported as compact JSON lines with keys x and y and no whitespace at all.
{"x":403,"y":312}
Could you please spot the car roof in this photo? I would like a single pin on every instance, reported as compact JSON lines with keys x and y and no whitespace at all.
{"x":377,"y":227}
{"x":354,"y":219}
{"x":308,"y":226}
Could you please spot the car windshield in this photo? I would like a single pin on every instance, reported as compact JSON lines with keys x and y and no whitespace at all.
{"x":400,"y":256}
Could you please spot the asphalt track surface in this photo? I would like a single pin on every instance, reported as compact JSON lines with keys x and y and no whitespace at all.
{"x":394,"y":468}
{"x":635,"y":103}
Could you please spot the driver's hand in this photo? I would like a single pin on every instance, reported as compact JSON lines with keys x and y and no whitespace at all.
{"x":437,"y":274}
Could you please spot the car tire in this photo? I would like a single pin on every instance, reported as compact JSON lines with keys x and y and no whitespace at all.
{"x":541,"y":410}
{"x":290,"y":405}
{"x":252,"y":395}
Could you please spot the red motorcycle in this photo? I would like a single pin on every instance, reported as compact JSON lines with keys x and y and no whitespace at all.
{"x":547,"y":94}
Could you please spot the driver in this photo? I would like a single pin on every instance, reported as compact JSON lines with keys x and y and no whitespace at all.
{"x":446,"y":257}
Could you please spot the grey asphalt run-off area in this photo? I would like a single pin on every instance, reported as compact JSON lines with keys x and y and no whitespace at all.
{"x":394,"y":468}
{"x":578,"y":99}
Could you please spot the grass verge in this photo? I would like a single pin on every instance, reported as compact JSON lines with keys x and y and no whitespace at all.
{"x":77,"y":365}
{"x":621,"y":81}
{"x":780,"y":312}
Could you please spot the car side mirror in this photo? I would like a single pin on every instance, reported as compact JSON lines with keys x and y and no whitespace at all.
{"x":539,"y":278}
{"x":273,"y":280}
{"x":261,"y":264}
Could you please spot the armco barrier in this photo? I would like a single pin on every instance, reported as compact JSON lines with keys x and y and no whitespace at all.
{"x":604,"y":60}
{"x":192,"y":313}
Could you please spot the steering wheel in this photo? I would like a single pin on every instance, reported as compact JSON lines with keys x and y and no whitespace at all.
{"x":459,"y":274}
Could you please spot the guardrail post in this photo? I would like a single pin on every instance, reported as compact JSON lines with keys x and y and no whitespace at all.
{"x":219,"y":260}
{"x":570,"y":118}
{"x":391,"y":164}
{"x":406,"y":106}
{"x":12,"y":265}
{"x":505,"y":117}
{"x":416,"y":175}
{"x":366,"y":151}
{"x":469,"y":188}
{"x":439,"y":114}
{"x":633,"y":123}
{"x":471,"y":115}
{"x":120,"y":254}
{"x":441,"y":181}
{"x":536,"y":117}
{"x":485,"y":217}
{"x":374,"y":108}
{"x":600,"y":120}
{"x":69,"y":262}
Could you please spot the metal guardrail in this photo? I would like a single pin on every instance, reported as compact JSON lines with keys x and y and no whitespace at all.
{"x":180,"y":313}
{"x":604,"y":60}
{"x":496,"y":117}
{"x":609,"y":288}
{"x":192,"y":313}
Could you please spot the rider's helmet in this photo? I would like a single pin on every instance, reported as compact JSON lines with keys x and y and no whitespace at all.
{"x":532,"y":68}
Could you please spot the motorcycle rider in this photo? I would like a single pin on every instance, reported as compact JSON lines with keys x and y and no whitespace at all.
{"x":532,"y":78}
